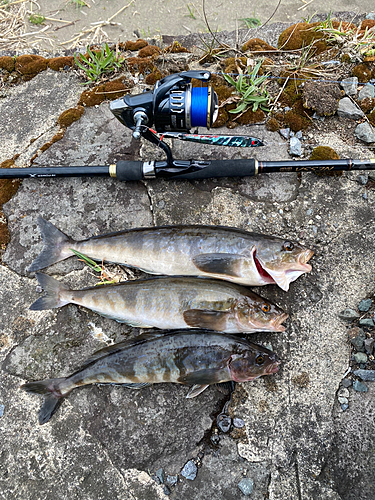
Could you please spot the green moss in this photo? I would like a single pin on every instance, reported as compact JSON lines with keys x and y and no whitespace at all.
{"x":7,"y":63}
{"x":153,"y":77}
{"x":363,"y":72}
{"x":250,"y":117}
{"x":58,"y":63}
{"x":273,"y":125}
{"x":70,"y":115}
{"x":371,"y":117}
{"x":8,"y":188}
{"x":297,"y":118}
{"x":324,"y":153}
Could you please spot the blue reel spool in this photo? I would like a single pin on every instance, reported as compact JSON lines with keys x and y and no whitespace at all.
{"x":200,"y":106}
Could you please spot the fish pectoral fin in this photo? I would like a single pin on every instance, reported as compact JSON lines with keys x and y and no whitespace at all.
{"x":219,"y":263}
{"x":210,"y":320}
{"x":280,"y":278}
{"x":136,"y":386}
{"x":200,"y":377}
{"x":225,"y":387}
{"x":196,"y":390}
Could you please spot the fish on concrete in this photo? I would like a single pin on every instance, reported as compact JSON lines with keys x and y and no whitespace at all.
{"x":191,"y":358}
{"x":207,"y":251}
{"x":169,"y":302}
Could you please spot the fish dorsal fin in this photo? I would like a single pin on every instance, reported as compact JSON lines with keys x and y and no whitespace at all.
{"x":196,"y":390}
{"x":209,"y":320}
{"x":219,"y":263}
{"x":111,"y":349}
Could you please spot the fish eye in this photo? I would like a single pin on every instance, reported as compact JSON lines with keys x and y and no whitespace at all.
{"x":266,"y":307}
{"x":259,"y":360}
{"x":288,"y":246}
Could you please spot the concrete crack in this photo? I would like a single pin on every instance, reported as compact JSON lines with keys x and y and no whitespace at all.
{"x":149,"y":194}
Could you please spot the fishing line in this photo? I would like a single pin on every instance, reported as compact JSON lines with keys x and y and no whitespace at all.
{"x":199,"y":106}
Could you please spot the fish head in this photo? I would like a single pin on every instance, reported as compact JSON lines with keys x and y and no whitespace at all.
{"x":254,"y":313}
{"x":252,"y":363}
{"x":281,"y":261}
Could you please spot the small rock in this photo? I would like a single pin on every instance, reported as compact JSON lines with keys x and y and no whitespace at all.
{"x":368,"y":322}
{"x":365,"y":132}
{"x":298,"y":134}
{"x":160,"y":475}
{"x":360,"y":357}
{"x":346,"y":382}
{"x":2,"y":408}
{"x":359,"y":386}
{"x":190,"y":470}
{"x":350,"y":85}
{"x":367,"y":90}
{"x":344,"y":406}
{"x":365,"y":305}
{"x":215,"y":439}
{"x":348,"y":314}
{"x":285,"y":132}
{"x":369,"y":346}
{"x":347,"y":109}
{"x":239,"y":423}
{"x":343,"y":401}
{"x":367,"y":375}
{"x":343,"y":392}
{"x":359,"y":341}
{"x":371,"y":15}
{"x":166,"y":490}
{"x":246,"y":486}
{"x":362,"y":179}
{"x":295,"y":147}
{"x":223,"y":422}
{"x":172,"y":480}
{"x":365,"y":196}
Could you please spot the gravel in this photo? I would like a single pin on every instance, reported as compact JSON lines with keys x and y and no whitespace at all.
{"x":367,"y":375}
{"x":367,"y":90}
{"x":360,"y":357}
{"x":348,"y":314}
{"x":246,"y":486}
{"x":359,"y":386}
{"x":347,"y":109}
{"x":295,"y":147}
{"x":190,"y":470}
{"x":350,"y":85}
{"x":365,"y":132}
{"x":365,"y":305}
{"x":368,"y":322}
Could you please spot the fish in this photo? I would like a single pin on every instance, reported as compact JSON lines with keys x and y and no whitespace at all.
{"x":198,"y":359}
{"x":219,"y":252}
{"x":170,"y":303}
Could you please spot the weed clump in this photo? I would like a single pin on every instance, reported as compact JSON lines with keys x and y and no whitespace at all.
{"x":176,"y":48}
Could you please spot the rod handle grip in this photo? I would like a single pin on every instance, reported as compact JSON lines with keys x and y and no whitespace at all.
{"x":223,"y":168}
{"x":129,"y":170}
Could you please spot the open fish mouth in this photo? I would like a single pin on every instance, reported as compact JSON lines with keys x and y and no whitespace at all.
{"x":273,"y":368}
{"x":279,"y":327}
{"x":263,"y":273}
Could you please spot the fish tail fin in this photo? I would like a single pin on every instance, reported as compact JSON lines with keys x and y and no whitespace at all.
{"x":54,"y":296}
{"x":56,"y":246}
{"x":52,"y":396}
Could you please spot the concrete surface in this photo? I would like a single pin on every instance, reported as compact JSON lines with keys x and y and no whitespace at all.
{"x":107,"y":442}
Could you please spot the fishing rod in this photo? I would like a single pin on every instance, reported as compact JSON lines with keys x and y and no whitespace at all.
{"x":174,"y":107}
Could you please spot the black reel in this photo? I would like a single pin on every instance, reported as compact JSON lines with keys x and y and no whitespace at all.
{"x":173,"y":105}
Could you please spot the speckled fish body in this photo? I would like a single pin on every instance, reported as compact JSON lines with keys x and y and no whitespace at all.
{"x":188,"y":358}
{"x":207,"y":251}
{"x":170,"y":303}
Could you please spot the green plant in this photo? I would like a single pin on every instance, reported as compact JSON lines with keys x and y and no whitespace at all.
{"x":98,"y":63}
{"x":191,"y":11}
{"x":251,"y":22}
{"x":36,"y":19}
{"x":250,"y":90}
{"x":94,"y":266}
{"x":79,"y":3}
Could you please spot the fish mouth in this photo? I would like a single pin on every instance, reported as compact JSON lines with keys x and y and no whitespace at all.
{"x":273,"y":368}
{"x":263,"y":273}
{"x":279,"y":327}
{"x":303,"y":260}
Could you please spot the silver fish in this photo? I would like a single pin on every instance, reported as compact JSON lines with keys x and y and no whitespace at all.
{"x":199,"y":359}
{"x":207,"y":251}
{"x":170,"y":303}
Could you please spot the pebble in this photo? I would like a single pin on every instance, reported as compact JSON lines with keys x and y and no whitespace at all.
{"x":166,"y":490}
{"x":239,"y":423}
{"x":359,"y":386}
{"x":362,"y":179}
{"x":364,"y":196}
{"x":172,"y":480}
{"x":359,"y":341}
{"x":160,"y":475}
{"x":369,"y":346}
{"x":346,"y":382}
{"x":367,"y":90}
{"x":370,"y":15}
{"x":295,"y":147}
{"x":190,"y":470}
{"x":347,"y":109}
{"x":365,"y":305}
{"x":366,"y":322}
{"x":298,"y":134}
{"x":343,"y":401}
{"x":367,"y":375}
{"x":215,"y":439}
{"x":365,"y":132}
{"x":285,"y":132}
{"x":223,"y":422}
{"x":2,"y":408}
{"x":344,"y":406}
{"x":246,"y":486}
{"x":360,"y":357}
{"x":350,"y":85}
{"x":348,"y":314}
{"x":343,"y":392}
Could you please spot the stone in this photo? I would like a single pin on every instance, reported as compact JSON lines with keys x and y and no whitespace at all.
{"x":368,"y":322}
{"x":359,"y":386}
{"x":367,"y":375}
{"x":359,"y":341}
{"x":348,"y":314}
{"x":172,"y":480}
{"x":285,"y":132}
{"x":344,"y":406}
{"x":350,"y":85}
{"x":295,"y":147}
{"x":362,"y":179}
{"x":364,"y":305}
{"x":190,"y":470}
{"x":343,"y":400}
{"x":360,"y":357}
{"x":371,"y":15}
{"x":347,"y":109}
{"x":2,"y":408}
{"x":346,"y":382}
{"x":238,"y":423}
{"x":160,"y":475}
{"x":343,"y":392}
{"x":223,"y":422}
{"x":365,"y":132}
{"x":367,"y":90}
{"x":369,"y":345}
{"x":246,"y":486}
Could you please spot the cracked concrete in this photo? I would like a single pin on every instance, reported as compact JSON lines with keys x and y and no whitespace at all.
{"x":104,"y":441}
